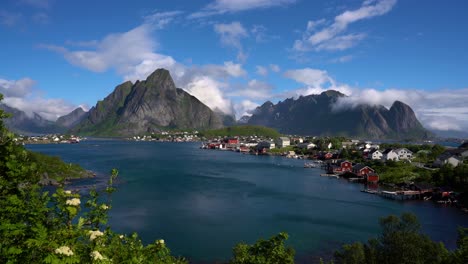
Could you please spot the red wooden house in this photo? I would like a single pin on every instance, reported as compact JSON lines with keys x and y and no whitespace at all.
{"x":372,"y":177}
{"x":362,"y":170}
{"x":232,"y":141}
{"x":345,"y":166}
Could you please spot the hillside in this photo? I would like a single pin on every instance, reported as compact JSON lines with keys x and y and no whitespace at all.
{"x":244,"y":130}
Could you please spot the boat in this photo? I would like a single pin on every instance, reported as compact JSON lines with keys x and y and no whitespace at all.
{"x":310,"y":165}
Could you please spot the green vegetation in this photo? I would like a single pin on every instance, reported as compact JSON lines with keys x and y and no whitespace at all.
{"x":400,"y":171}
{"x":282,"y":150}
{"x":402,"y":242}
{"x":55,"y":168}
{"x":246,"y":130}
{"x":264,"y":252}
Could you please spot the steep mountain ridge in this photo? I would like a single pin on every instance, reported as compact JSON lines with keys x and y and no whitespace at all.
{"x":19,"y":122}
{"x":147,"y":106}
{"x":71,"y":119}
{"x":315,"y":115}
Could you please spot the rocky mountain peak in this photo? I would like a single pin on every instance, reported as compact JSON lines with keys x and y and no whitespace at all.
{"x":332,"y":93}
{"x":162,"y":79}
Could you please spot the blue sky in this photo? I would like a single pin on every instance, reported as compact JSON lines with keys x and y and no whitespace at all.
{"x":235,"y":55}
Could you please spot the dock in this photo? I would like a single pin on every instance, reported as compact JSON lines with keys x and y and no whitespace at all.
{"x":330,"y":175}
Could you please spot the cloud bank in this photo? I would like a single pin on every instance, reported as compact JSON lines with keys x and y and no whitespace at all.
{"x":219,"y":7}
{"x":24,"y":95}
{"x":331,"y":36}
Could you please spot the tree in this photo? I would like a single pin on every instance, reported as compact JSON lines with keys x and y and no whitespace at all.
{"x":400,"y":242}
{"x":271,"y":251}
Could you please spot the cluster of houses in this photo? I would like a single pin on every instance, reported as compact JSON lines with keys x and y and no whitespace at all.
{"x":47,"y":139}
{"x":357,"y":171}
{"x":453,"y":157}
{"x":179,"y":136}
{"x":245,"y":144}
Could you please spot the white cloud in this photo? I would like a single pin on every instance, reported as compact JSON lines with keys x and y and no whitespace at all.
{"x":262,"y":71}
{"x":231,"y":35}
{"x":120,"y":51}
{"x":320,"y":35}
{"x":245,"y":108}
{"x":209,"y":91}
{"x":16,"y":88}
{"x":308,"y":76}
{"x":160,"y":20}
{"x":254,"y":90}
{"x":275,"y":68}
{"x":441,"y":110}
{"x":219,"y":7}
{"x":22,"y":94}
{"x":316,"y":81}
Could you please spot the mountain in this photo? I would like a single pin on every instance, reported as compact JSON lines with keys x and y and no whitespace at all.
{"x":21,"y":123}
{"x":314,"y":115}
{"x":72,"y":119}
{"x":244,"y":119}
{"x":226,"y":119}
{"x":147,"y":106}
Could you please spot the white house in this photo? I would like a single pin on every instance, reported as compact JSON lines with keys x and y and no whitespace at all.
{"x":390,"y":154}
{"x":282,"y":142}
{"x":404,"y":154}
{"x":447,"y":159}
{"x":307,"y":145}
{"x":375,"y":155}
{"x":452,"y":157}
{"x":266,"y":144}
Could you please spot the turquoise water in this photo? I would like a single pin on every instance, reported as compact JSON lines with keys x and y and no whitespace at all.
{"x":203,"y":202}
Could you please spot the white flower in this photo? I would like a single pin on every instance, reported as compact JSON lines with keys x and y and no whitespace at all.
{"x":104,"y":207}
{"x":73,"y":202}
{"x":64,"y":250}
{"x":67,"y":192}
{"x":96,"y":255}
{"x":94,"y":234}
{"x":121,"y":236}
{"x":160,"y":241}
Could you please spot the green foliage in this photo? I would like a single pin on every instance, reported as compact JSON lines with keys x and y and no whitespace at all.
{"x":282,"y":150}
{"x":457,"y":177}
{"x":55,"y":168}
{"x":271,"y":251}
{"x":36,"y":227}
{"x":247,"y":130}
{"x":400,"y":242}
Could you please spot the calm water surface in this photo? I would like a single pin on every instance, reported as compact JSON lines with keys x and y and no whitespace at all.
{"x":203,"y":202}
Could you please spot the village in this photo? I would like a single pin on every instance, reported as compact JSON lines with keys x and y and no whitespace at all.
{"x":48,"y":139}
{"x":352,"y":159}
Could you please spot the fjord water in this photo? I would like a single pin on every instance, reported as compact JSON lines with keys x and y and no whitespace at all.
{"x":203,"y":202}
